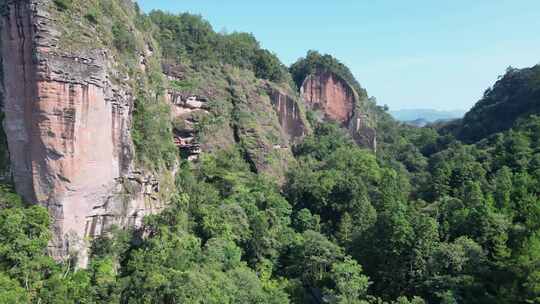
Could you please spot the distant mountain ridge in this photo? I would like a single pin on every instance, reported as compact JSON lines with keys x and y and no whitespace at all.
{"x":427,"y":115}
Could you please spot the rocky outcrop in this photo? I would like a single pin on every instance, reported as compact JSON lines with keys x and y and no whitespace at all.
{"x":288,"y":110}
{"x":337,"y":101}
{"x":185,"y":110}
{"x":219,"y":108}
{"x":68,"y":131}
{"x":331,"y":95}
{"x":362,"y":130}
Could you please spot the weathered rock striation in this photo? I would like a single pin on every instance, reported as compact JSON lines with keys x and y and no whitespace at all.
{"x":289,"y":113}
{"x":331,"y":95}
{"x":184,"y":109}
{"x":68,"y":122}
{"x":68,"y":132}
{"x":222,"y":108}
{"x":337,"y":101}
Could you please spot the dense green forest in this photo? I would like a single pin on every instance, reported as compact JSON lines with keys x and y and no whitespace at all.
{"x":449,"y":223}
{"x":511,"y":98}
{"x":442,"y":214}
{"x":189,"y":39}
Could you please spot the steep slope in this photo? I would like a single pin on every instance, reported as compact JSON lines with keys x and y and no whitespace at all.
{"x":99,"y":108}
{"x":68,"y":126}
{"x":241,"y":95}
{"x":226,"y":107}
{"x":331,"y":95}
{"x":516,"y":95}
{"x":329,"y":89}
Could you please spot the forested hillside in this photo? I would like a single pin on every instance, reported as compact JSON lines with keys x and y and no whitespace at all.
{"x":435,"y":215}
{"x":514,"y":96}
{"x":450,"y":223}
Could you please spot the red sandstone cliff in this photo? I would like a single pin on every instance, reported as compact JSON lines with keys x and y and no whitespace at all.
{"x":337,"y":101}
{"x":331,"y":95}
{"x":68,"y":126}
{"x":68,"y":131}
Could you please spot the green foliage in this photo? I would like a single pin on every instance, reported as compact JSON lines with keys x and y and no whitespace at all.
{"x":414,"y":300}
{"x":11,"y":292}
{"x":313,"y":258}
{"x":239,"y":49}
{"x":196,"y":252}
{"x":429,"y":219}
{"x":24,"y":235}
{"x":460,"y":244}
{"x":315,"y":62}
{"x":183,"y":85}
{"x":63,"y":5}
{"x":267,"y":66}
{"x":513,"y":97}
{"x":346,"y":228}
{"x":190,"y":40}
{"x":332,"y":179}
{"x":92,"y":16}
{"x":184,"y":36}
{"x":351,"y":284}
{"x":152,"y":134}
{"x":27,"y":273}
{"x":122,"y":38}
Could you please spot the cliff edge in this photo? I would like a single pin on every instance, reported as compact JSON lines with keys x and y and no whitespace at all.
{"x":68,"y":130}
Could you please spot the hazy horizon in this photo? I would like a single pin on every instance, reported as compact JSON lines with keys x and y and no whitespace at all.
{"x":414,"y":55}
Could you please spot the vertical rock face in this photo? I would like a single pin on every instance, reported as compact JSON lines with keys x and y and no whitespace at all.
{"x":219,"y":108}
{"x":68,"y":131}
{"x":290,"y":117}
{"x":332,"y":96}
{"x":184,"y":109}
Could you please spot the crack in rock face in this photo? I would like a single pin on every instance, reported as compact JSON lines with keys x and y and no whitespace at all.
{"x":288,"y":111}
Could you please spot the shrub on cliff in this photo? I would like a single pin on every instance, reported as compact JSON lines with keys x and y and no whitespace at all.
{"x":92,"y":16}
{"x":152,"y":133}
{"x":63,"y":4}
{"x":189,"y":39}
{"x":123,"y":39}
{"x":24,"y":235}
{"x":315,"y":62}
{"x":268,"y":66}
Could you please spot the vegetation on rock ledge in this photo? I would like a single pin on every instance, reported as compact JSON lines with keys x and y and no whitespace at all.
{"x":429,"y":219}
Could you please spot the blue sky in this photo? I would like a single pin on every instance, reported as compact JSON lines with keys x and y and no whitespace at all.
{"x":408,"y":54}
